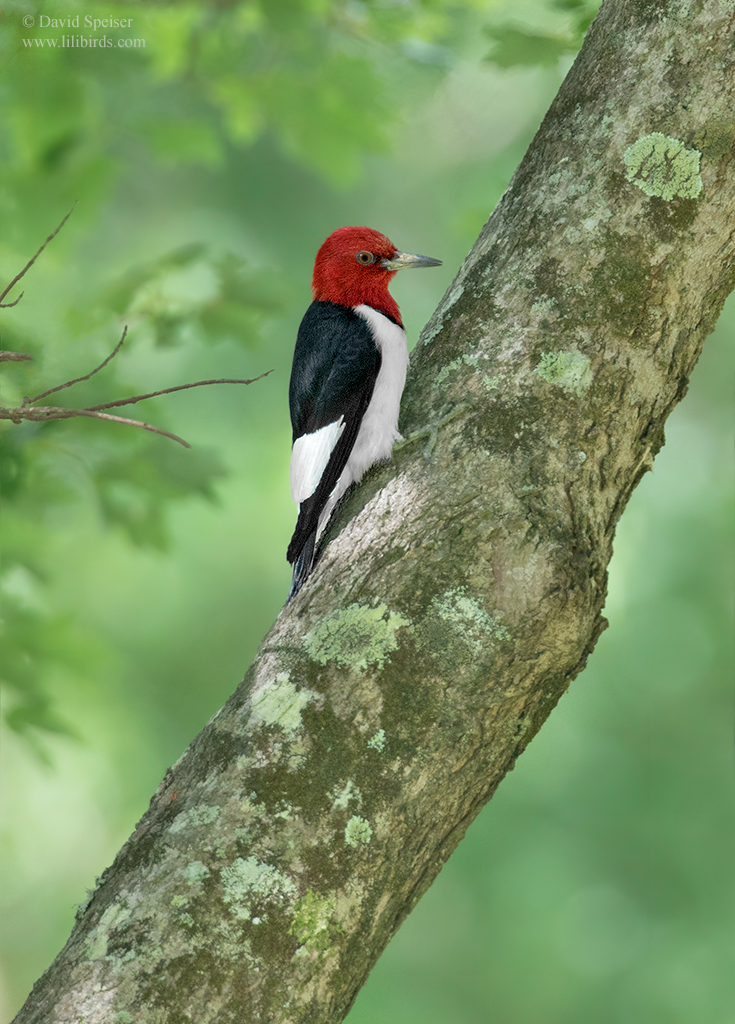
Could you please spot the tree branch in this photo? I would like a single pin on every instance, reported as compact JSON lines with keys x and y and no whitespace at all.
{"x":78,"y":380}
{"x":178,"y":387}
{"x":29,"y":411}
{"x":29,"y":264}
{"x":463,"y":586}
{"x":41,"y":413}
{"x":15,"y":357}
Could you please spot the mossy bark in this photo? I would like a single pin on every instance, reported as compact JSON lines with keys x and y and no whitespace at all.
{"x":463,"y":586}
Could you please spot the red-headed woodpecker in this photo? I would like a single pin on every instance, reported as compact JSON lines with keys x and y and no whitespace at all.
{"x":347,"y":379}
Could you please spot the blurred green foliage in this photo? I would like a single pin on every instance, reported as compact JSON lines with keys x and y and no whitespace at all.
{"x":192,"y":291}
{"x":516,"y":47}
{"x":138,"y":578}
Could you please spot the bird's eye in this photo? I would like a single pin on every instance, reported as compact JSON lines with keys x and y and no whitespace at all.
{"x":365,"y":258}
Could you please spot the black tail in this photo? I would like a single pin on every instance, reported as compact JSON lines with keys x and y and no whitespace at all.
{"x":302,"y":566}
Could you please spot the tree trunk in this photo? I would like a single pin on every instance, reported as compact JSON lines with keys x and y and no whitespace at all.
{"x":463,"y":586}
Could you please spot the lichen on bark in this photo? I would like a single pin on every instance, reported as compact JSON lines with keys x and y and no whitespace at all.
{"x":664,"y":167}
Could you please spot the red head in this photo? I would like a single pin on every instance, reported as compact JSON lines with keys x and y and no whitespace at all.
{"x":355,"y":266}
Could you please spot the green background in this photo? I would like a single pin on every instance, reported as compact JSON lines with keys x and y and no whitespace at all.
{"x":138,"y":578}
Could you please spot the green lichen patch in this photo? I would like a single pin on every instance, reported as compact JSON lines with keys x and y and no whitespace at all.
{"x":568,"y":370}
{"x":465,"y":616}
{"x":114,"y":917}
{"x":196,"y":872}
{"x":356,"y":637}
{"x":544,"y":305}
{"x":663,"y":166}
{"x":253,"y":816}
{"x":278,"y":702}
{"x":342,"y":796}
{"x":312,"y":924}
{"x":377,"y":742}
{"x":358,"y":831}
{"x":196,"y":817}
{"x":123,"y":1017}
{"x":457,"y":630}
{"x":455,"y":364}
{"x":247,"y":881}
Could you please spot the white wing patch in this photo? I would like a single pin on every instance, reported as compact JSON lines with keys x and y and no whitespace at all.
{"x":309,"y":458}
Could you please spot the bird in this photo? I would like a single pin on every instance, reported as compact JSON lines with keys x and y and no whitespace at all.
{"x":348,"y":373}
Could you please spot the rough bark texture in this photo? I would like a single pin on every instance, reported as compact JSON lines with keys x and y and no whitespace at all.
{"x":463,"y":586}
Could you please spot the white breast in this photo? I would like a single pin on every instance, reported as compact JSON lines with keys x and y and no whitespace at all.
{"x":379,"y":427}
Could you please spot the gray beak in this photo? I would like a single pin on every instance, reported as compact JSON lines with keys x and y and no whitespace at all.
{"x":402,"y":260}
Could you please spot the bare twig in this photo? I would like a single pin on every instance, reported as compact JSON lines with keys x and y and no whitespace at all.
{"x":40,"y":413}
{"x":14,"y":357}
{"x":178,"y":387}
{"x":78,"y":380}
{"x":29,"y":264}
{"x":50,"y":412}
